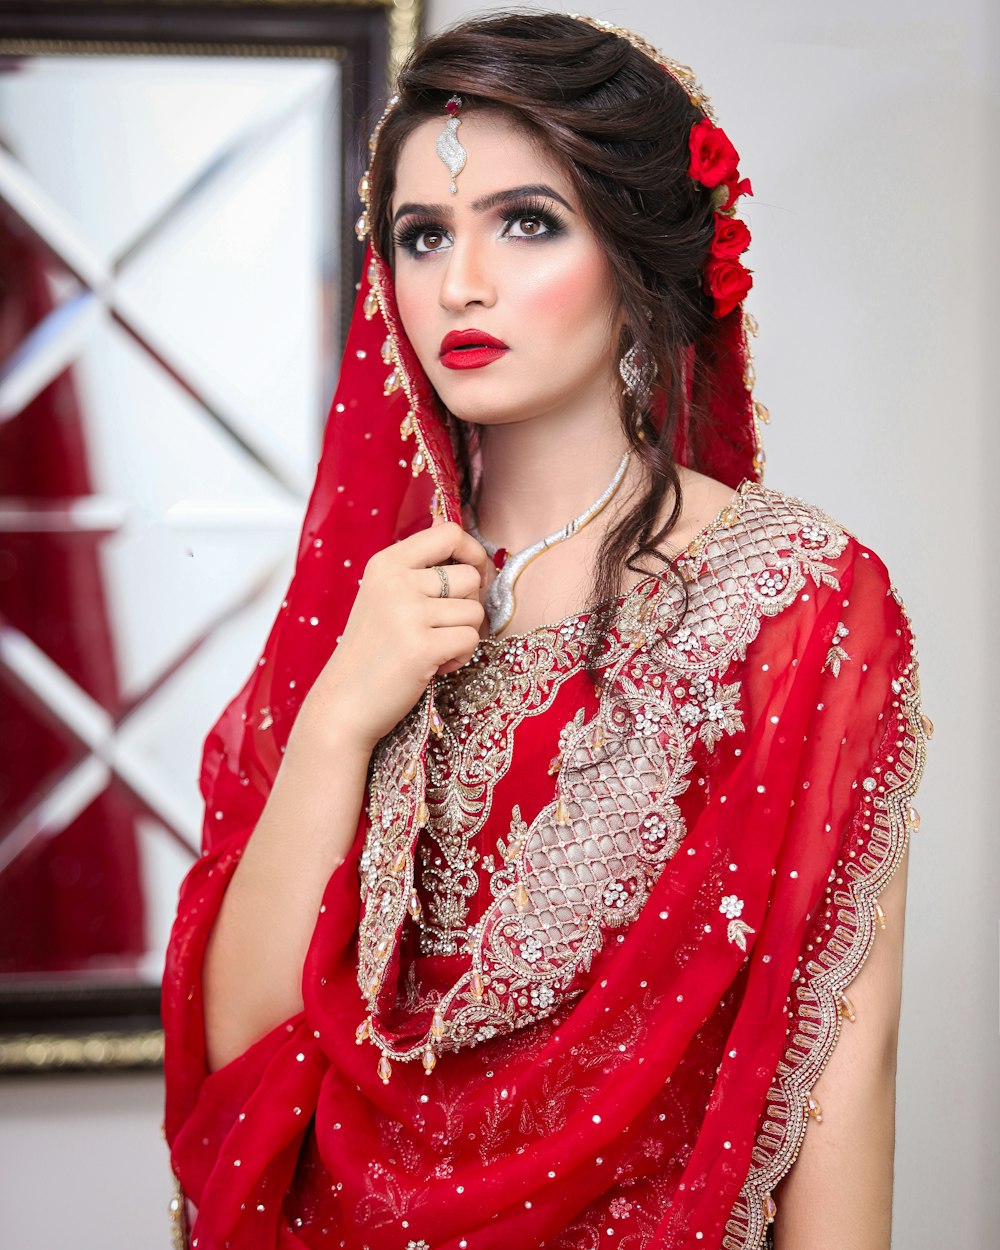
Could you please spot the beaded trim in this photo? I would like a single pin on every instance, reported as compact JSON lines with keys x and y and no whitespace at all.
{"x":886,"y":807}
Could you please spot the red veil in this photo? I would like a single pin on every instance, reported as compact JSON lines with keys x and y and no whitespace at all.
{"x":654,"y":1090}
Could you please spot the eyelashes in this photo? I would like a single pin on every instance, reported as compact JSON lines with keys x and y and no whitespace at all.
{"x":408,"y":235}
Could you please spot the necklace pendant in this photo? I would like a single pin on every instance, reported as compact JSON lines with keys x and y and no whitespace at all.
{"x":500,"y":557}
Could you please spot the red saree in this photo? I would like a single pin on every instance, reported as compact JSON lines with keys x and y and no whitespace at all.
{"x":586,"y":959}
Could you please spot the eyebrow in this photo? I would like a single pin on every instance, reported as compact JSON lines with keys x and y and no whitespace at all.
{"x":486,"y":202}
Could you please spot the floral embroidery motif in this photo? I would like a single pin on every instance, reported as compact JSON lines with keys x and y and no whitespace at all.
{"x":559,"y":887}
{"x":836,"y":655}
{"x":732,"y":908}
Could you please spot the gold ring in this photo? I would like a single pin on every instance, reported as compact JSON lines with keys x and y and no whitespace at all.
{"x":443,"y":578}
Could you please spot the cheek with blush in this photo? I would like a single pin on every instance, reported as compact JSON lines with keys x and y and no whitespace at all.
{"x":570,"y":297}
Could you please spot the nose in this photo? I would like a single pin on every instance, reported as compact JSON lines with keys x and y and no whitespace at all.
{"x":466,"y":279}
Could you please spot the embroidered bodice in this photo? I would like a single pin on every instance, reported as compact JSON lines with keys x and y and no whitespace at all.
{"x":548,"y":809}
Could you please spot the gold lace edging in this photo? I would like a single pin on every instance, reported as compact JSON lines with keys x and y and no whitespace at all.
{"x":856,"y":910}
{"x":179,"y":1231}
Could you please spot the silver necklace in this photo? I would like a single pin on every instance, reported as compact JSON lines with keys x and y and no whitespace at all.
{"x":499,"y":601}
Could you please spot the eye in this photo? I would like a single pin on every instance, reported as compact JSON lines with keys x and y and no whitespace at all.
{"x":527,"y":227}
{"x":421,"y":238}
{"x":532,"y":221}
{"x":429,"y":241}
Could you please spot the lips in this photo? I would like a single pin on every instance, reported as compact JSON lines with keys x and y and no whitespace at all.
{"x":470,"y":349}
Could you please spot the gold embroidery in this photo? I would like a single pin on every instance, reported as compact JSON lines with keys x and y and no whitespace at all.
{"x":586,"y":863}
{"x":886,"y":814}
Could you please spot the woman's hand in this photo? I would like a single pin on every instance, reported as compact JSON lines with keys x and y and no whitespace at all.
{"x":401,"y":632}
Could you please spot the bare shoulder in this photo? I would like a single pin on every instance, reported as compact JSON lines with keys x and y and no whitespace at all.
{"x":702,"y":499}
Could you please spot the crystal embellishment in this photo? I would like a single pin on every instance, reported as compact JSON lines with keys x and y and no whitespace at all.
{"x":448,"y":145}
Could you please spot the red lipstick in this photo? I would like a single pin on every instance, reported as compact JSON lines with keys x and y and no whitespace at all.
{"x":470,"y":349}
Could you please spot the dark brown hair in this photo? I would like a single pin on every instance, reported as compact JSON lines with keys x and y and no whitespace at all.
{"x":619,"y":125}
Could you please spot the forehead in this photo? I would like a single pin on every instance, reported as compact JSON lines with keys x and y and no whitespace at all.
{"x":500,"y":154}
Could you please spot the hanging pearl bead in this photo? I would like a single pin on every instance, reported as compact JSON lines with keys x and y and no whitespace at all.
{"x":562,"y":812}
{"x":815,"y":1109}
{"x":847,"y":1008}
{"x":437,"y":1024}
{"x":362,"y":1031}
{"x":384,"y":1069}
{"x":880,"y":916}
{"x":520,"y":897}
{"x":430,"y":1059}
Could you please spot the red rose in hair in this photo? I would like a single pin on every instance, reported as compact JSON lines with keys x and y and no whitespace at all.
{"x":713,"y":157}
{"x":732,"y":189}
{"x":728,"y":282}
{"x":731,"y":237}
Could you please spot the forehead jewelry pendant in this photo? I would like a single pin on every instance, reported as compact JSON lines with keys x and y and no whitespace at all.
{"x":448,"y":146}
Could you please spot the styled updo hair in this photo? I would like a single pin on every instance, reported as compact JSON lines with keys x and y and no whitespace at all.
{"x":619,"y":125}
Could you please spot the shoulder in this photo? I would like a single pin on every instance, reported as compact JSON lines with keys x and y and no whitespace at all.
{"x":776,"y":523}
{"x":789,"y":553}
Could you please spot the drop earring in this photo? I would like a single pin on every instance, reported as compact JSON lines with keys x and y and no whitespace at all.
{"x":631,"y":374}
{"x":638,"y":379}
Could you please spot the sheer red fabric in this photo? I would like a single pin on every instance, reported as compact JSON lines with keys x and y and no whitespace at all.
{"x":584,"y":962}
{"x":657,"y":1090}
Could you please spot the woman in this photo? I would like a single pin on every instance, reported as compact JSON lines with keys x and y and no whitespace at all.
{"x":561,"y":808}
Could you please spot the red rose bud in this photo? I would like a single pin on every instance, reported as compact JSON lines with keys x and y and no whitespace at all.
{"x":728,"y":282}
{"x":735,"y":190}
{"x":713,"y":157}
{"x":731,"y":237}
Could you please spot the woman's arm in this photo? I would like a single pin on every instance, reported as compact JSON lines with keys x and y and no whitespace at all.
{"x":256,"y":950}
{"x":839,"y":1190}
{"x":399,"y":635}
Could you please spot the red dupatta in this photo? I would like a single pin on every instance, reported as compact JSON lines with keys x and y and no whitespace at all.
{"x":743,"y":785}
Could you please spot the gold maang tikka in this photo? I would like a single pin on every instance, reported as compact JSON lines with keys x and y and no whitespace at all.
{"x":448,"y":146}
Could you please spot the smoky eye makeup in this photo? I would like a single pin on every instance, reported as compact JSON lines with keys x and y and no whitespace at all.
{"x":411,"y":230}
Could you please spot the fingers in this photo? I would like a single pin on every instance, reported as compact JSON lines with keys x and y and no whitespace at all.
{"x":463,"y":581}
{"x":454,"y":645}
{"x":446,"y":541}
{"x":447,"y":613}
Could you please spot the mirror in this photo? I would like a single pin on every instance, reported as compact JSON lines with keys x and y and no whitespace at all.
{"x":177,"y":265}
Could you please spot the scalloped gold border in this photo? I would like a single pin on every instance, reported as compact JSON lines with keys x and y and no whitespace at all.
{"x":782,"y":1133}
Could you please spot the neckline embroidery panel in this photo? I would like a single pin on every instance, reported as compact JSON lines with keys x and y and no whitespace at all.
{"x":524,"y":900}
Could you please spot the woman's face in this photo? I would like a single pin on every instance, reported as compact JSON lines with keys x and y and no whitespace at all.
{"x":507,"y":267}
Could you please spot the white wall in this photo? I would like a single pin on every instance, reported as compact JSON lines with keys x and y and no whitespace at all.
{"x":864,"y":130}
